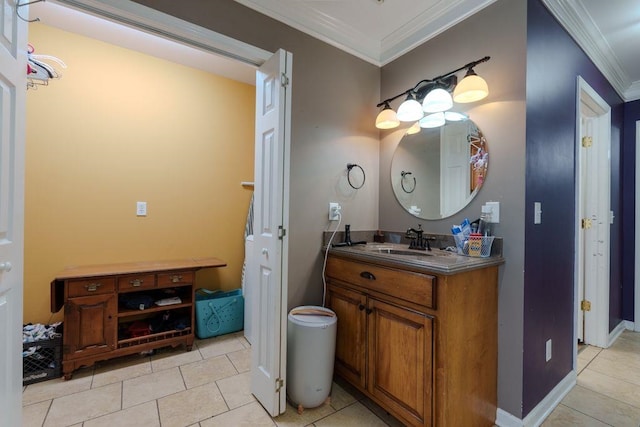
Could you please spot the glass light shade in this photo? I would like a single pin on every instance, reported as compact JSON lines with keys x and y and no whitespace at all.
{"x":454,"y":116}
{"x":410,"y":110}
{"x":387,"y":119}
{"x":432,"y":120}
{"x":472,"y":88}
{"x":415,"y":128}
{"x":437,"y":100}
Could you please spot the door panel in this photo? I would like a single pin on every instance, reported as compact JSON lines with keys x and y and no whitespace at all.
{"x":13,"y":86}
{"x":400,"y":359}
{"x":351,"y":337}
{"x":273,"y":104}
{"x":90,"y":325}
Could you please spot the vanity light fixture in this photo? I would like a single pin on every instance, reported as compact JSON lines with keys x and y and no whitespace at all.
{"x":434,"y":96}
{"x":437,"y":100}
{"x":433,"y":120}
{"x":410,"y":110}
{"x":415,"y":128}
{"x":472,"y":88}
{"x":454,"y":116}
{"x":387,"y":119}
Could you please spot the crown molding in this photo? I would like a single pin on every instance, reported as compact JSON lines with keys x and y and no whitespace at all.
{"x":575,"y":19}
{"x":321,"y":26}
{"x":424,"y":26}
{"x":427,"y":25}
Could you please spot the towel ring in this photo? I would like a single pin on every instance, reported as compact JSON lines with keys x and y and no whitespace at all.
{"x":364,"y":177}
{"x":404,"y":174}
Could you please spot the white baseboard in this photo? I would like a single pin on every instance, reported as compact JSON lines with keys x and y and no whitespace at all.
{"x":551,"y":400}
{"x":617,"y":331}
{"x":505,"y":419}
{"x":542,"y":409}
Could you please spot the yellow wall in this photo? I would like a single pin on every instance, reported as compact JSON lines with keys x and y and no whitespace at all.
{"x":121,"y":127}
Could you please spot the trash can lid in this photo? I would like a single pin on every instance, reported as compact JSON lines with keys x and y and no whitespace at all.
{"x":312,"y":316}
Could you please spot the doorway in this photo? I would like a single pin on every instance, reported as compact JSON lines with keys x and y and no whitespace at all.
{"x":593,"y":218}
{"x":172,"y":28}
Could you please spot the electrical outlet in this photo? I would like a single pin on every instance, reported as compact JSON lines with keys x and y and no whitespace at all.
{"x":495,"y":211}
{"x":334,"y":211}
{"x":141,"y":208}
{"x":548,"y":350}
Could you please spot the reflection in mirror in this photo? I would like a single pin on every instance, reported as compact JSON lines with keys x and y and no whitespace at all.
{"x":438,"y":171}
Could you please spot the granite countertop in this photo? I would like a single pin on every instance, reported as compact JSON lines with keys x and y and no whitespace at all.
{"x":436,"y":261}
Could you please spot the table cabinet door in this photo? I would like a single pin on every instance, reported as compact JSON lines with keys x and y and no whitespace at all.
{"x":400,"y":360}
{"x":89,"y":325}
{"x":350,"y":307}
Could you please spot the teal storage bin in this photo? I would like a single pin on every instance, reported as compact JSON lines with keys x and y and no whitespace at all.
{"x":218,"y":312}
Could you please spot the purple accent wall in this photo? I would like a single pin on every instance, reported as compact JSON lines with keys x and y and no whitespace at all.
{"x":631,"y":115}
{"x":554,"y":61}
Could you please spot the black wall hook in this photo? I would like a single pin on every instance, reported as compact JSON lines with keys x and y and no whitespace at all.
{"x":19,"y":5}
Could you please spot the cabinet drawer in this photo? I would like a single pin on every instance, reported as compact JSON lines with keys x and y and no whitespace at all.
{"x":86,"y":287}
{"x":175,"y":278}
{"x":136,"y":282}
{"x":410,"y":286}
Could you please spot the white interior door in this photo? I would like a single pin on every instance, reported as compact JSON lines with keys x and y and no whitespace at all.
{"x":594,"y":217}
{"x":454,"y":167}
{"x":13,"y":86}
{"x":268,"y":349}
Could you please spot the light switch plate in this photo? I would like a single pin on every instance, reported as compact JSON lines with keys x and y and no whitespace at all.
{"x":537,"y":213}
{"x":141,"y":208}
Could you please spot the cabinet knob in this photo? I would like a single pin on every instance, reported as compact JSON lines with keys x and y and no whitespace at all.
{"x":368,"y":275}
{"x":361,"y":307}
{"x":369,"y":311}
{"x":5,"y":266}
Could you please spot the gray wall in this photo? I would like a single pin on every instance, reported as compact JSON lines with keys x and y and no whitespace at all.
{"x":333,"y":112}
{"x":500,"y":32}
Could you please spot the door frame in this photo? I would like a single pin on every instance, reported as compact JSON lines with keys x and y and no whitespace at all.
{"x":160,"y":24}
{"x":598,"y":321}
{"x":170,"y":27}
{"x":636,"y":269}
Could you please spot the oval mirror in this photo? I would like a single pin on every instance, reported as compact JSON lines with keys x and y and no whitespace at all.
{"x":437,"y":171}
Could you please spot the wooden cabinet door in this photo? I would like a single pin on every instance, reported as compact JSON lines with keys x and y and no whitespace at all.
{"x":351,"y":337}
{"x":89,"y":325}
{"x":400,"y":356}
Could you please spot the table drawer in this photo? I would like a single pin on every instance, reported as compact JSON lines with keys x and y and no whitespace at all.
{"x":94,"y":286}
{"x":136,"y":282}
{"x":175,"y":278}
{"x":410,"y":286}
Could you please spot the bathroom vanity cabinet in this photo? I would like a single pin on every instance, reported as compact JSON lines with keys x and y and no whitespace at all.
{"x":421,"y":343}
{"x":99,"y":321}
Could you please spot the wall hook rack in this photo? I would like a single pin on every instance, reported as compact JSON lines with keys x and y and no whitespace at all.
{"x":19,"y":5}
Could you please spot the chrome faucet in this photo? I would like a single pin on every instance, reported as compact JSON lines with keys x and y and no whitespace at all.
{"x":418,"y":241}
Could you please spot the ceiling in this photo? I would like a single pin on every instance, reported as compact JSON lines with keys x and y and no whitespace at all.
{"x":78,"y":22}
{"x":609,"y":35}
{"x":608,"y":31}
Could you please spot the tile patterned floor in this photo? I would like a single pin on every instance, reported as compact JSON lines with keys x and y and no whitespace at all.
{"x":206,"y":387}
{"x":209,"y":387}
{"x":608,"y":388}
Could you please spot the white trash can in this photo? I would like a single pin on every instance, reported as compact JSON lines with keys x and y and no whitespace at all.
{"x":311,"y":346}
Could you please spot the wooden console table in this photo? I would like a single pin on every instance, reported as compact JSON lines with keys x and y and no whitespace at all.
{"x":99,"y":320}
